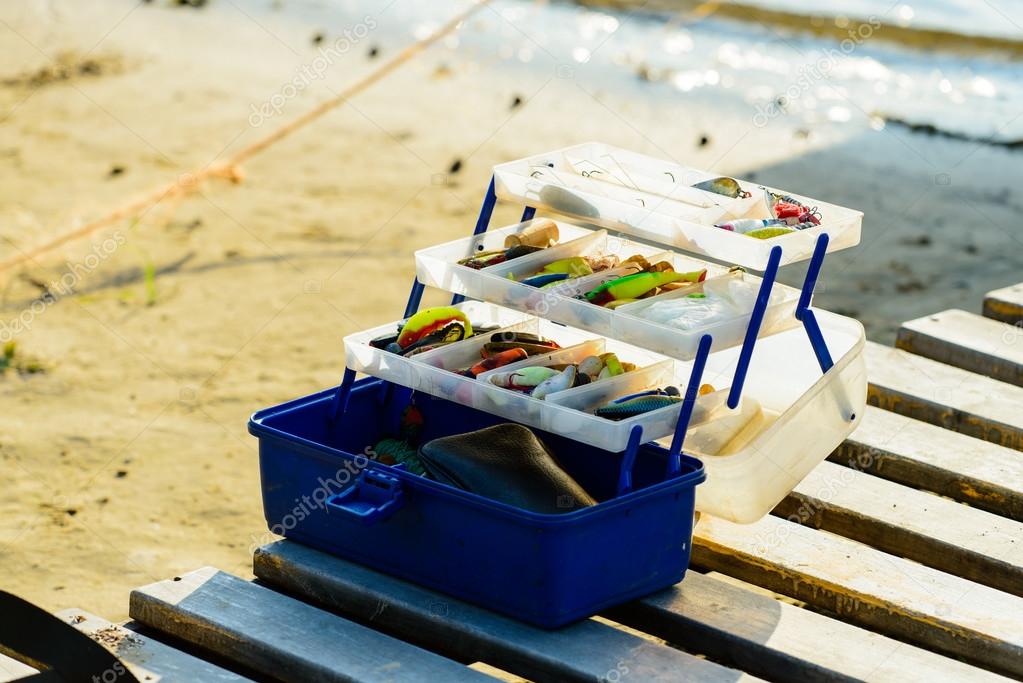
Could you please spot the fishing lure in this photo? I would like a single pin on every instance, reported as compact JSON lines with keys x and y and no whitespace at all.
{"x":591,"y":366}
{"x":634,"y":286}
{"x":486,"y":259}
{"x":559,"y":382}
{"x":747,"y":225}
{"x":531,"y":348}
{"x":729,"y":187}
{"x":544,"y":279}
{"x":636,"y":405}
{"x":430,"y":320}
{"x":498,"y":360}
{"x":576,"y":266}
{"x":523,"y":378}
{"x":768,"y":233}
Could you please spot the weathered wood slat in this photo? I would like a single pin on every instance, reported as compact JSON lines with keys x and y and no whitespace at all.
{"x":984,"y":475}
{"x":147,"y":659}
{"x":944,"y":395}
{"x":1005,"y":304}
{"x":12,"y":669}
{"x":586,"y":651}
{"x":779,"y":641}
{"x":281,"y":637}
{"x":968,"y":341}
{"x":921,"y":526}
{"x":868,"y":587}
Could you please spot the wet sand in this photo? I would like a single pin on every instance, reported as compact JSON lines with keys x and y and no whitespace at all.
{"x":122,"y":437}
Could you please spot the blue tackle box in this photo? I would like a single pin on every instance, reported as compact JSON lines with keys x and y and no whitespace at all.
{"x":322,"y":487}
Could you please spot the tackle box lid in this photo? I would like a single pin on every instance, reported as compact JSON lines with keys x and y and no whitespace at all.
{"x":655,"y":200}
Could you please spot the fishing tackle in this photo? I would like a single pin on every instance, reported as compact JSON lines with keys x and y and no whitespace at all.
{"x":498,"y":360}
{"x":591,"y":366}
{"x":636,"y":405}
{"x":612,"y":364}
{"x":486,"y":259}
{"x":540,"y":234}
{"x":523,"y":337}
{"x":746,"y":225}
{"x":634,"y":286}
{"x":523,"y":378}
{"x":729,"y":187}
{"x":768,"y":233}
{"x":531,"y":348}
{"x":554,"y":383}
{"x":576,"y":266}
{"x":544,"y":279}
{"x":430,"y":320}
{"x":448,"y":334}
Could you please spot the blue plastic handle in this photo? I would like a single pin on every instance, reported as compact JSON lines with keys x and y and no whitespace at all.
{"x":374,"y":498}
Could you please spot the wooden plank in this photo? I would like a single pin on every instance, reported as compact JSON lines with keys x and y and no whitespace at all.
{"x":585,"y":651}
{"x":944,"y":395}
{"x":780,"y":641}
{"x":968,"y":341}
{"x":281,"y":637}
{"x":984,"y":475}
{"x":921,"y":526}
{"x":1005,"y":304}
{"x":12,"y":669}
{"x":868,"y":587}
{"x":147,"y":659}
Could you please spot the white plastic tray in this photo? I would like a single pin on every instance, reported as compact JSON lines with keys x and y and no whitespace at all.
{"x":568,"y":412}
{"x":653,"y":199}
{"x":437,"y":267}
{"x":806,"y":415}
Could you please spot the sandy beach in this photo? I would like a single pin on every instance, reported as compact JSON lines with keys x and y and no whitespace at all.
{"x":139,"y":353}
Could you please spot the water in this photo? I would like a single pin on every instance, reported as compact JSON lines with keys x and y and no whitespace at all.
{"x":857,"y":73}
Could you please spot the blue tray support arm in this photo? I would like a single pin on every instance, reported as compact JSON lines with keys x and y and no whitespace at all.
{"x":688,"y":404}
{"x":482,"y":223}
{"x":803,"y":312}
{"x":753,"y":330}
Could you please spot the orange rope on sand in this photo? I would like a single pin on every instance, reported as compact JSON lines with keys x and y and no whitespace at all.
{"x":189,"y":182}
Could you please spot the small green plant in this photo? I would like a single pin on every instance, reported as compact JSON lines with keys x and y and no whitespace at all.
{"x":10,"y":348}
{"x":13,"y":361}
{"x":149,"y":278}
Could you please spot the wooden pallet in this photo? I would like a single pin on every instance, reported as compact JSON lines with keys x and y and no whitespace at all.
{"x":900,"y":558}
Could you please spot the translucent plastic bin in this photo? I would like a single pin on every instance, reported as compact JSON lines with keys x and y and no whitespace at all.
{"x":436,"y":373}
{"x":806,"y":415}
{"x":653,"y":199}
{"x":559,"y":303}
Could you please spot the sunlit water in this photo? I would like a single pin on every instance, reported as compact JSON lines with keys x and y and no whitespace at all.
{"x":769,"y":71}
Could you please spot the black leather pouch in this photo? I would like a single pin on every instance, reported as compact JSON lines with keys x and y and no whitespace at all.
{"x":506,"y":463}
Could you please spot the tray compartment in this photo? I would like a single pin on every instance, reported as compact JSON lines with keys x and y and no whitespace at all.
{"x":632,"y":325}
{"x":551,"y":181}
{"x":362,"y":357}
